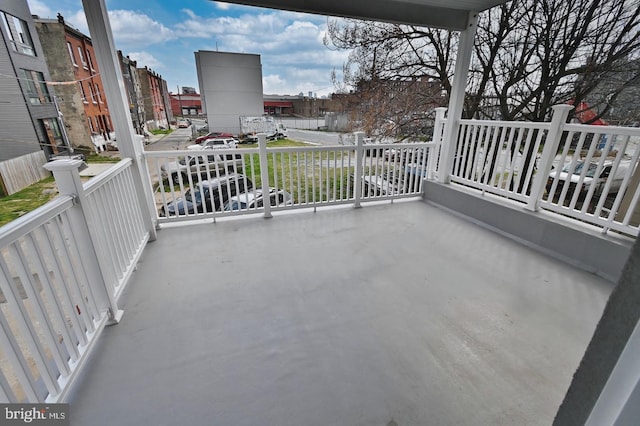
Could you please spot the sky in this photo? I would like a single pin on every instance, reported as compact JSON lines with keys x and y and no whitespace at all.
{"x":164,"y":34}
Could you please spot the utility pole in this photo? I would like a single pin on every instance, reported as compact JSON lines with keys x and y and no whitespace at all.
{"x":179,"y":101}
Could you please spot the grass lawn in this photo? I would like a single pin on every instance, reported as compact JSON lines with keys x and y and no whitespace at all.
{"x":30,"y":198}
{"x":305,"y":176}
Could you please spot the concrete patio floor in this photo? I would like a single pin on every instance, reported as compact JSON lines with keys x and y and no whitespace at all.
{"x":390,"y":313}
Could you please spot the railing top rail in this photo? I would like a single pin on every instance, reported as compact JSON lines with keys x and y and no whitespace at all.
{"x":182,"y":152}
{"x":590,"y":128}
{"x":513,"y":124}
{"x":107,"y":175}
{"x":34,"y":219}
{"x":193,"y":152}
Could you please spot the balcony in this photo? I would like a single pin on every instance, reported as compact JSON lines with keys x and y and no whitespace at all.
{"x":398,"y":312}
{"x":402,"y":310}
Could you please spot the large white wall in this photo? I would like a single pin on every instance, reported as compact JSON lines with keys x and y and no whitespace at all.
{"x":231,"y":86}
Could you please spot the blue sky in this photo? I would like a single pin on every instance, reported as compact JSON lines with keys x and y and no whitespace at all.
{"x":164,"y":34}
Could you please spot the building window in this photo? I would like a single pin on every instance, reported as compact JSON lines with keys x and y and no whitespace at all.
{"x":84,"y":94}
{"x":36,"y":88}
{"x":90,"y":61}
{"x":81,"y":56}
{"x":54,"y":142}
{"x":18,"y":33}
{"x":91,"y":92}
{"x":98,"y":93}
{"x":73,"y":58}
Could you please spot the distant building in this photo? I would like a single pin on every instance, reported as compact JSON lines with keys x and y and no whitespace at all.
{"x":29,"y":121}
{"x":71,"y":60}
{"x":157,"y":106}
{"x":298,"y":105}
{"x":186,"y":104}
{"x":134,"y":92}
{"x":230,"y":86}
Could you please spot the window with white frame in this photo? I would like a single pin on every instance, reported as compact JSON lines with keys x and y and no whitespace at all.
{"x":81,"y":56}
{"x":93,"y":95}
{"x":98,"y":94}
{"x":84,"y":94}
{"x":90,"y":60}
{"x":18,"y":33}
{"x":71,"y":55}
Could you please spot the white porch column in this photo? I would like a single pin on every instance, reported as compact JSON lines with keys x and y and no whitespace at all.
{"x":264,"y":173}
{"x":456,"y":101}
{"x":111,"y":76}
{"x":551,"y":144}
{"x":357,"y":179}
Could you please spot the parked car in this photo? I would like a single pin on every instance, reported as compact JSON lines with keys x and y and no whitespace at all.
{"x":212,"y":135}
{"x":209,"y":196}
{"x":183,"y":124}
{"x":600,"y":181}
{"x":255,"y":199}
{"x":376,"y":185}
{"x":219,"y":142}
{"x":205,"y":166}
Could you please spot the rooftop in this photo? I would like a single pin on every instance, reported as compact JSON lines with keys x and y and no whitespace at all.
{"x":388,"y":313}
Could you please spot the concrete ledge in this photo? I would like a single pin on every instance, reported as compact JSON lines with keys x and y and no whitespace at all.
{"x":581,"y":245}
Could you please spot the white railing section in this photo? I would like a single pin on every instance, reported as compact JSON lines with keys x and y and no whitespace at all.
{"x":49,"y":311}
{"x":63,"y":266}
{"x":116,"y":223}
{"x":588,"y":173}
{"x":213,"y":183}
{"x":489,"y":156}
{"x":595,"y":178}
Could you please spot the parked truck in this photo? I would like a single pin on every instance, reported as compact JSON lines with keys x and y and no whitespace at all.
{"x":250,"y":126}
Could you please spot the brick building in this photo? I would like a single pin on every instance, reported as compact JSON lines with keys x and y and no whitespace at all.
{"x":186,"y":104}
{"x":157,"y":105}
{"x":71,"y":61}
{"x":133,"y":87}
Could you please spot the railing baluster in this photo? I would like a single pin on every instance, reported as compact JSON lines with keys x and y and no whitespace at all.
{"x":25,"y":325}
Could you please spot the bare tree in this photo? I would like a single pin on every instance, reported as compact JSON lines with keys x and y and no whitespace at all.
{"x":528,"y":56}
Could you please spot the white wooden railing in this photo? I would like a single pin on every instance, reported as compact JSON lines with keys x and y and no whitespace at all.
{"x":65,"y":264}
{"x":63,"y":267}
{"x":524,"y":162}
{"x":304,"y":177}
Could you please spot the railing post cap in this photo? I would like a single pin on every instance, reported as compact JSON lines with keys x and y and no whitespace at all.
{"x":64,"y":164}
{"x":561,"y":107}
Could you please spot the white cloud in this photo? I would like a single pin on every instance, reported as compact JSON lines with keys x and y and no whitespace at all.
{"x":222,"y":6}
{"x":136,"y":29}
{"x":78,"y":21}
{"x":130,"y":29}
{"x":146,"y":59}
{"x":38,"y":7}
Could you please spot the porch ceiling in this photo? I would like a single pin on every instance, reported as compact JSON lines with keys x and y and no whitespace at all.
{"x":445,"y":14}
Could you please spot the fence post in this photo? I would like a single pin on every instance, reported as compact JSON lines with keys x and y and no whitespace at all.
{"x":357,"y":178}
{"x":551,"y":143}
{"x":264,"y":174}
{"x":434,"y":154}
{"x":67,"y":176}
